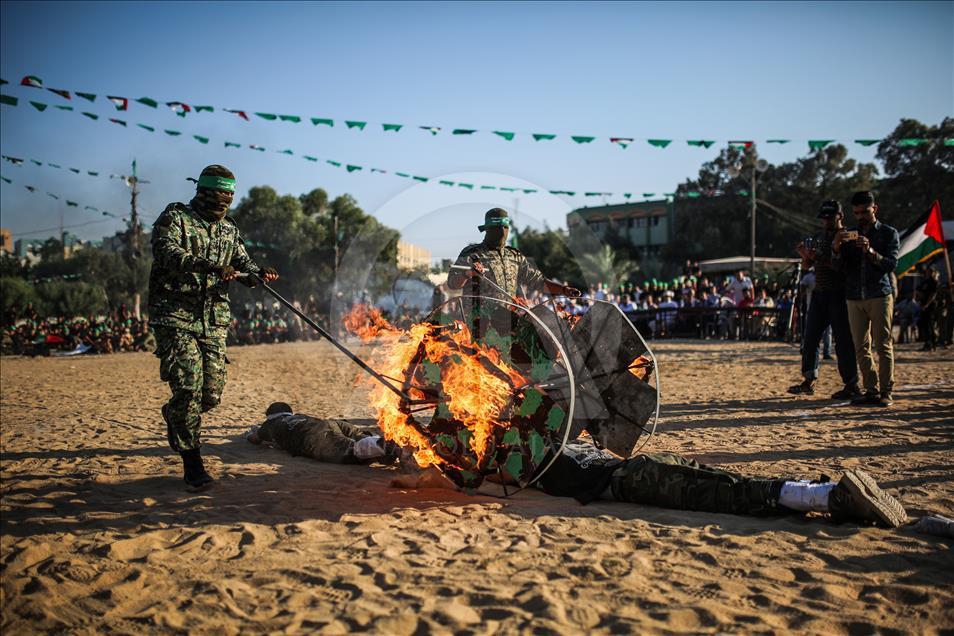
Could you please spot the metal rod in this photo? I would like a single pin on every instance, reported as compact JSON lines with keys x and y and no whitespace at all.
{"x":361,"y":363}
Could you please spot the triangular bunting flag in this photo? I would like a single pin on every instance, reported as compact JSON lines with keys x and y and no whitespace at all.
{"x":30,"y":188}
{"x":9,"y":100}
{"x":543,"y":136}
{"x":285,"y":152}
{"x":701,"y":143}
{"x":295,"y":119}
{"x":659,"y":143}
{"x":54,"y":165}
{"x":351,"y":168}
{"x":32,"y":81}
{"x":204,"y":109}
{"x":508,"y":189}
{"x":63,"y":107}
{"x":488,"y":187}
{"x":622,"y":142}
{"x":72,"y":204}
{"x":582,"y":140}
{"x":14,"y":160}
{"x":867,"y":142}
{"x":62,"y":93}
{"x":118,"y":121}
{"x":92,"y":173}
{"x":356,"y":124}
{"x":431,"y":129}
{"x":173,"y":133}
{"x":35,"y":162}
{"x":422,"y":179}
{"x":121,"y":103}
{"x":627,"y":195}
{"x":240,"y":113}
{"x":506,"y":135}
{"x":232,"y":144}
{"x":403,"y":174}
{"x":256,"y":147}
{"x":317,"y":121}
{"x":90,"y":97}
{"x":76,"y":170}
{"x":180,"y":108}
{"x":463,"y":131}
{"x":741,"y":144}
{"x":529,"y":191}
{"x":392,"y":127}
{"x":646,"y":195}
{"x":50,"y":194}
{"x":336,"y":164}
{"x":40,"y":106}
{"x":268,"y":116}
{"x":148,"y":101}
{"x":94,"y":116}
{"x":777,"y":141}
{"x":201,"y":139}
{"x":309,"y":158}
{"x":818,"y":144}
{"x":469,"y":186}
{"x":441,"y":182}
{"x":5,"y":180}
{"x":147,"y":127}
{"x":913,"y":141}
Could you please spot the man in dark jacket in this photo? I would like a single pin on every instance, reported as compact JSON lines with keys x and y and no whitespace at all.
{"x":827,"y":308}
{"x":868,"y":255}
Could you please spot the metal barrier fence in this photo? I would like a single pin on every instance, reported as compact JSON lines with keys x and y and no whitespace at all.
{"x":725,"y":323}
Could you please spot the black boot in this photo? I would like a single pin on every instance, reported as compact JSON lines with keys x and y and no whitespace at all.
{"x":195,"y":476}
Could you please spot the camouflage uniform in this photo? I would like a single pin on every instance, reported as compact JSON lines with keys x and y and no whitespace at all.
{"x":189,"y":310}
{"x":305,"y":436}
{"x":668,"y":481}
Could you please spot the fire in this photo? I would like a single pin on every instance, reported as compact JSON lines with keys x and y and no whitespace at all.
{"x":366,"y":322}
{"x":641,"y":367}
{"x":474,"y":383}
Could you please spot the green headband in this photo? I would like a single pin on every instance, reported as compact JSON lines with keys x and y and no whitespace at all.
{"x":500,"y":221}
{"x":217,"y":183}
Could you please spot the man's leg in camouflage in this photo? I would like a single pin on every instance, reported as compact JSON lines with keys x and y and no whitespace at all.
{"x":670,"y":481}
{"x":213,"y":371}
{"x":180,"y":364}
{"x":333,"y":442}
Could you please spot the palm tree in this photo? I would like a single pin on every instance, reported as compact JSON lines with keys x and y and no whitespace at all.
{"x":605,"y":266}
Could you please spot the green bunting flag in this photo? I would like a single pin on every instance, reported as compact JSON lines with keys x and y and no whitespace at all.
{"x":309,"y":158}
{"x":40,"y":106}
{"x":701,"y":143}
{"x":818,"y":144}
{"x":447,"y":183}
{"x":508,"y":189}
{"x":627,"y":195}
{"x":646,"y":195}
{"x":431,"y":129}
{"x":528,"y":190}
{"x":32,"y":81}
{"x":913,"y":141}
{"x":148,"y":101}
{"x":777,"y":141}
{"x":94,"y":116}
{"x":268,"y":116}
{"x":351,"y":168}
{"x":317,"y":121}
{"x":285,"y":152}
{"x":949,"y":142}
{"x":506,"y":135}
{"x":867,"y":142}
{"x":232,"y":144}
{"x":173,"y":133}
{"x":9,"y":100}
{"x":394,"y":127}
{"x":76,"y":170}
{"x":121,"y":103}
{"x":90,"y":97}
{"x":543,"y":136}
{"x":147,"y":127}
{"x":422,"y":179}
{"x":356,"y":124}
{"x":201,"y":139}
{"x":72,"y":204}
{"x":54,"y":165}
{"x":92,"y":173}
{"x":206,"y":109}
{"x":62,"y":107}
{"x":257,"y":147}
{"x":403,"y":174}
{"x":5,"y":180}
{"x":336,"y":164}
{"x":34,"y":161}
{"x":118,"y":121}
{"x":3,"y":81}
{"x":50,"y":194}
{"x":295,"y":119}
{"x":693,"y":194}
{"x":30,"y":188}
{"x":240,"y":113}
{"x":463,"y":131}
{"x":622,"y":142}
{"x":582,"y":140}
{"x":488,"y":187}
{"x":62,"y":93}
{"x":659,"y":143}
{"x":469,"y":186}
{"x":14,"y":160}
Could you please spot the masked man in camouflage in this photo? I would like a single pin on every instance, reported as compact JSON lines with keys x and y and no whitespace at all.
{"x":508,"y":270}
{"x":196,"y":252}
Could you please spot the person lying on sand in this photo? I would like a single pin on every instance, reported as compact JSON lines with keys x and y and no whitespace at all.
{"x":334,"y":441}
{"x":587,"y":473}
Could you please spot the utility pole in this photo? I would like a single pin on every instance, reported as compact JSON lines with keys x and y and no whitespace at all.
{"x":752,"y":244}
{"x":134,"y":247}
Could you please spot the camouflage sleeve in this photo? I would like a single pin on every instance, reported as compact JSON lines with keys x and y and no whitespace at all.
{"x":456,"y":279}
{"x":528,"y":275}
{"x":167,"y":247}
{"x":242,"y":262}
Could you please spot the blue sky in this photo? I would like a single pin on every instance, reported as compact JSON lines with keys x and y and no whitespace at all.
{"x":669,"y":70}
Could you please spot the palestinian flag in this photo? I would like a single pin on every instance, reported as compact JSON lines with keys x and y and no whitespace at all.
{"x":740,"y":144}
{"x":32,"y":80}
{"x":240,"y":113}
{"x":121,"y":103}
{"x":921,"y":241}
{"x":623,"y":142}
{"x":179,"y":108}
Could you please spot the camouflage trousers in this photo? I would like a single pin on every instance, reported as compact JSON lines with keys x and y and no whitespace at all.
{"x":194,"y":367}
{"x":670,"y":481}
{"x":304,"y":436}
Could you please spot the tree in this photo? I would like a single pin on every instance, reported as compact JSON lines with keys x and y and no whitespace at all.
{"x":607,"y":267}
{"x":549,"y":251}
{"x":916,"y":174}
{"x":16,"y":294}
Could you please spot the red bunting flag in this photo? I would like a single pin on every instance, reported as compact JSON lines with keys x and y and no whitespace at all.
{"x":180,"y":108}
{"x":240,"y":113}
{"x":121,"y":103}
{"x":32,"y":80}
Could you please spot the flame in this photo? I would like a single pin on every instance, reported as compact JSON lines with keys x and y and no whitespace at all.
{"x":641,"y":367}
{"x":366,"y":322}
{"x":475,"y":385}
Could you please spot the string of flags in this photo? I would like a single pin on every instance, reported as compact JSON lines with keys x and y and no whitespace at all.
{"x":182,"y":109}
{"x":69,"y":202}
{"x":354,"y":168}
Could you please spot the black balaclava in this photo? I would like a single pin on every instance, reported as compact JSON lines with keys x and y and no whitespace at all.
{"x":212,"y":203}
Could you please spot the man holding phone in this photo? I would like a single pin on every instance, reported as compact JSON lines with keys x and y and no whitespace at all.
{"x":868,"y":255}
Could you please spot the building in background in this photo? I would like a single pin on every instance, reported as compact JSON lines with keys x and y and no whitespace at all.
{"x":647,"y":225}
{"x":410,"y":256}
{"x":6,"y":240}
{"x":22,"y":248}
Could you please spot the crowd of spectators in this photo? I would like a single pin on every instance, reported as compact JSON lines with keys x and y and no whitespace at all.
{"x":25,"y":332}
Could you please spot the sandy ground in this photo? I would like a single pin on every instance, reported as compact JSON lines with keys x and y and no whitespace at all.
{"x":99,"y":535}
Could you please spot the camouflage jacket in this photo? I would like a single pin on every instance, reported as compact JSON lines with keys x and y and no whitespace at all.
{"x":184,"y":290}
{"x":507,"y":267}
